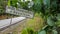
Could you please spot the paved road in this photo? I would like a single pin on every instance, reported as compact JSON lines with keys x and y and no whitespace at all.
{"x":7,"y":22}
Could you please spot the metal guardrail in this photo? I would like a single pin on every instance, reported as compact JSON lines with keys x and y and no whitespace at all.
{"x":19,"y":11}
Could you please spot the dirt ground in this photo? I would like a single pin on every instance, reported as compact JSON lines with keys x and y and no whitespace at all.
{"x":6,"y":17}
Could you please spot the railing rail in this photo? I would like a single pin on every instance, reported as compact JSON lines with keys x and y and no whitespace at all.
{"x":19,"y":11}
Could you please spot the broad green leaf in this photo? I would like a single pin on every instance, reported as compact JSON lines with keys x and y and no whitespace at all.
{"x":58,"y":16}
{"x":45,"y":27}
{"x":42,"y":32}
{"x":54,"y":32}
{"x":50,"y":22}
{"x":47,"y":2}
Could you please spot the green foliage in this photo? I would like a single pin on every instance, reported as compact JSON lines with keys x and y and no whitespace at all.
{"x":53,"y":7}
{"x":54,"y":32}
{"x":8,"y":2}
{"x":24,"y":5}
{"x":50,"y":22}
{"x":1,"y":10}
{"x":28,"y":31}
{"x":42,"y":32}
{"x":47,"y":8}
{"x":37,"y":6}
{"x":58,"y":16}
{"x":12,"y":3}
{"x":44,"y":27}
{"x":24,"y":31}
{"x":2,"y":6}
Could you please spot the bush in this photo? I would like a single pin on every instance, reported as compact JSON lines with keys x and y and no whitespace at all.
{"x":28,"y":31}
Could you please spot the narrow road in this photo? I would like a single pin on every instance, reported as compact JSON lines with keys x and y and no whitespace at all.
{"x":8,"y":22}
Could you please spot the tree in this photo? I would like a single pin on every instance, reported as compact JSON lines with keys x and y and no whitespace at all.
{"x":24,"y":5}
{"x":12,"y":3}
{"x":3,"y":4}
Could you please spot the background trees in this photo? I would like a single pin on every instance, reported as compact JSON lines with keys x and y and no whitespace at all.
{"x":3,"y":4}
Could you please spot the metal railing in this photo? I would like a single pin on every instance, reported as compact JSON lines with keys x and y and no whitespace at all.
{"x":19,"y":11}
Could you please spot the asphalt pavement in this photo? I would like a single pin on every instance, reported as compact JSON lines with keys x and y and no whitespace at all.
{"x":7,"y":22}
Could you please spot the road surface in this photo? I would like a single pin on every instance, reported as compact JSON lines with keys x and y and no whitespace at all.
{"x":7,"y":22}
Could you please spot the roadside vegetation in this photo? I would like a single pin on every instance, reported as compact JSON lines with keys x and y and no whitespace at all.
{"x":35,"y":24}
{"x":46,"y":19}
